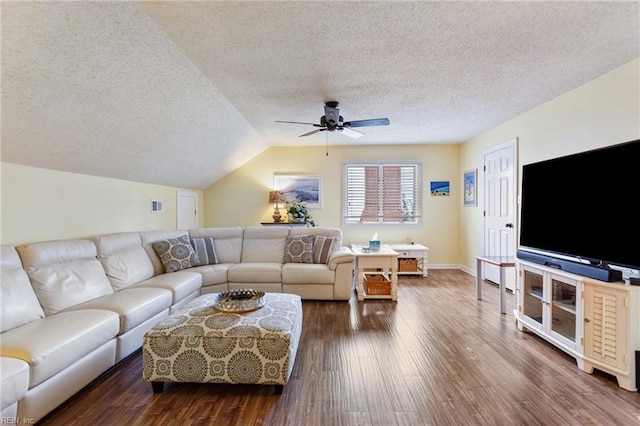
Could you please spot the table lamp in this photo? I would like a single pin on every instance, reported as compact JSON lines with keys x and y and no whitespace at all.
{"x":276,"y":197}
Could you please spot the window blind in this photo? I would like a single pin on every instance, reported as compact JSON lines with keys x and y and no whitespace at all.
{"x":382,"y":193}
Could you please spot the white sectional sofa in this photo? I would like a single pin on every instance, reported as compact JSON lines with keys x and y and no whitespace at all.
{"x":72,"y":309}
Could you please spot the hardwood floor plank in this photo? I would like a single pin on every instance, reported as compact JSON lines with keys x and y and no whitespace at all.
{"x":436,"y":357}
{"x":378,"y":397}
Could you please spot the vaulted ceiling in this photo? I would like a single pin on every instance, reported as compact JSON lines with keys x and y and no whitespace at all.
{"x":181,"y":93}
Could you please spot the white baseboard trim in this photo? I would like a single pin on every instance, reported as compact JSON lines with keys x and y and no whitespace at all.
{"x":463,"y":268}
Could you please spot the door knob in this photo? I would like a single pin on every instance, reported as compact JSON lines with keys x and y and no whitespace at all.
{"x":509,"y":225}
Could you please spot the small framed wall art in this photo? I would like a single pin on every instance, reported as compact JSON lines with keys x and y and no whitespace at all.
{"x":440,"y":188}
{"x":470,"y":188}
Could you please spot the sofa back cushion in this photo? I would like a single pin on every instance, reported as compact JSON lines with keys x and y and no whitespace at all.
{"x":227,"y":242}
{"x":264,"y":243}
{"x":150,"y":237}
{"x":19,"y":303}
{"x":64,"y":273}
{"x":320,"y":231}
{"x":124,"y":259}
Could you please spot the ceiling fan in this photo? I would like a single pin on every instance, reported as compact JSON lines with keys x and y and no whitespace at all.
{"x":332,"y":121}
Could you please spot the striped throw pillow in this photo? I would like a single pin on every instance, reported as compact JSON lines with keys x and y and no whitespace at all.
{"x":322,"y":248}
{"x":205,"y":250}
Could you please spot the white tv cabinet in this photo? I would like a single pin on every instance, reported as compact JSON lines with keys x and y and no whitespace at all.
{"x":598,"y":323}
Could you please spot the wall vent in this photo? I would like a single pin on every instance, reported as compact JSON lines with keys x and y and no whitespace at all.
{"x":156,"y":206}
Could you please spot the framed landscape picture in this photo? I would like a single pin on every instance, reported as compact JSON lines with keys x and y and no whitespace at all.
{"x":300,"y":188}
{"x":470,"y":188}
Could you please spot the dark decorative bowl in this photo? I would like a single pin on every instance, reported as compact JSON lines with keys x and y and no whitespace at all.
{"x":240,"y":300}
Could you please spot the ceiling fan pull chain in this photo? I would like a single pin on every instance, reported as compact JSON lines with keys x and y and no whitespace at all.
{"x":327,"y":149}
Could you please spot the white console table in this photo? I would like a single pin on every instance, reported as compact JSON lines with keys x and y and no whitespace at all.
{"x":414,"y":251}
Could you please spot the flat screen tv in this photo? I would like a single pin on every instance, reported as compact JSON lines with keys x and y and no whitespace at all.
{"x":584,"y":207}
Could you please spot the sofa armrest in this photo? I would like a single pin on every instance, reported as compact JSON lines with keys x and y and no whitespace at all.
{"x":342,"y":255}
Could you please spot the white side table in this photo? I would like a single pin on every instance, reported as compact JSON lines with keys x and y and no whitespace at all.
{"x":502,"y":262}
{"x":414,"y":251}
{"x":385,"y":259}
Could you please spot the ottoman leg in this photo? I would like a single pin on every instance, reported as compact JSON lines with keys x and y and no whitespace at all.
{"x":278,"y":389}
{"x":158,"y":387}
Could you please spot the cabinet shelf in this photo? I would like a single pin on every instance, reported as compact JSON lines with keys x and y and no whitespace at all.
{"x":535,"y":292}
{"x":566,"y":305}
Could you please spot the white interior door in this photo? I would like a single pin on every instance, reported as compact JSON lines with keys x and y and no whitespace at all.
{"x":500,"y":208}
{"x":187,"y":210}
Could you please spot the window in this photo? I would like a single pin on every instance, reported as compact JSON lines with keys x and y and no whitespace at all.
{"x":382,"y":193}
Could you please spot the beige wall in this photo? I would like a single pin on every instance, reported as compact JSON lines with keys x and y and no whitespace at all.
{"x":241,"y":198}
{"x":603,"y":112}
{"x":40,"y":204}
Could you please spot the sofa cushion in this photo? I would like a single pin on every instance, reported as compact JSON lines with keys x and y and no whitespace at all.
{"x":54,"y":343}
{"x":322,"y":248}
{"x":264,"y":243}
{"x":64,"y":273}
{"x":19,"y":303}
{"x":226,"y":240}
{"x":176,"y":253}
{"x":14,"y":380}
{"x":299,"y":249}
{"x":321,"y":231}
{"x":205,"y":250}
{"x":302,"y":273}
{"x":123,"y":258}
{"x":181,"y":284}
{"x":213,"y":274}
{"x":133,"y":305}
{"x":255,"y":272}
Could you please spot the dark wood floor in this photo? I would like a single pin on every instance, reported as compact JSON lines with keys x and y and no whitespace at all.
{"x":436,"y":357}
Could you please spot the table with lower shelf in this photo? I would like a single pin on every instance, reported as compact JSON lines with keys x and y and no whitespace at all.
{"x":385,"y":259}
{"x":502,"y":262}
{"x":413,"y":251}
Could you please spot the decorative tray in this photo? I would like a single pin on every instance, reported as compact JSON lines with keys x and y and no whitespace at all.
{"x":240,"y":300}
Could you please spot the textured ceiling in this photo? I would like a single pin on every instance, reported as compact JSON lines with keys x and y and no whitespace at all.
{"x":181,"y":93}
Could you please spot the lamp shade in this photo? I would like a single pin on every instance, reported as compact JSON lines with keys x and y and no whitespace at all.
{"x":276,"y":197}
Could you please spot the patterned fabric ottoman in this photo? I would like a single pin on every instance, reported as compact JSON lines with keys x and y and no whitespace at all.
{"x":200,"y":344}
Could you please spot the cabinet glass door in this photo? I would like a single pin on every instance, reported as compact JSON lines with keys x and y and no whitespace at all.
{"x":532,"y":306}
{"x":563,"y":309}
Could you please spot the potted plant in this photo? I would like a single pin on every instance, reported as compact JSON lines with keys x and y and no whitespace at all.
{"x":299,"y":213}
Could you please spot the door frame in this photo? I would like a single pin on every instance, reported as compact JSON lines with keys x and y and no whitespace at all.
{"x":513,"y":144}
{"x":190,"y":194}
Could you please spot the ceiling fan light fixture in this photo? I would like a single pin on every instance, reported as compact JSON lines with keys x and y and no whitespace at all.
{"x":332,"y":121}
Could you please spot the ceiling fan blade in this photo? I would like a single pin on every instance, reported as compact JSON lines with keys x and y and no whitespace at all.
{"x":365,"y":123}
{"x":313,"y":132}
{"x":298,"y":122}
{"x":351,"y":133}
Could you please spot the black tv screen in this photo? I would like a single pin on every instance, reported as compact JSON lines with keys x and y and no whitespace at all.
{"x":584,"y":206}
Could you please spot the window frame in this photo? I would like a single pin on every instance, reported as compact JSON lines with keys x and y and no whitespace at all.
{"x":381,"y":164}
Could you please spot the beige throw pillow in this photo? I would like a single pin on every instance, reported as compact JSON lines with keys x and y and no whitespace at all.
{"x":299,"y":249}
{"x":176,"y":253}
